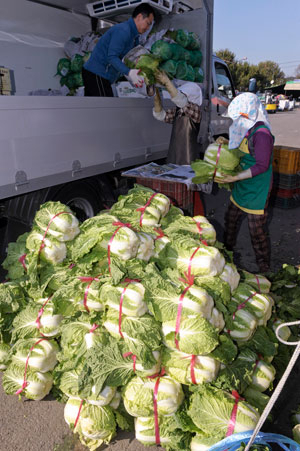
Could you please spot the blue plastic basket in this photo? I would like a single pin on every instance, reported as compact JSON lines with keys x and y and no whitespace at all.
{"x":233,"y":442}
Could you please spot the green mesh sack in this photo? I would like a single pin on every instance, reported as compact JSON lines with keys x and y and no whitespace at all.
{"x":181,"y":70}
{"x":194,"y":42}
{"x":190,"y":76}
{"x":77,"y":63}
{"x":178,"y":52}
{"x":74,"y":80}
{"x":63,"y":67}
{"x":63,"y":81}
{"x":199,"y":75}
{"x":169,"y":67}
{"x":162,"y":49}
{"x":195,"y":58}
{"x":182,"y":38}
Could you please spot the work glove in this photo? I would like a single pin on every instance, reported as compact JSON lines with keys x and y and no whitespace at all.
{"x":136,"y":79}
{"x":177,"y":96}
{"x":158,"y":111}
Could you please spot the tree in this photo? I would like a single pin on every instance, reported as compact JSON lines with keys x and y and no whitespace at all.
{"x":297,"y":71}
{"x":241,"y":72}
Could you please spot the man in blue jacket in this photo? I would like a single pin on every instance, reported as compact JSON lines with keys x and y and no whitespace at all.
{"x":105,"y":65}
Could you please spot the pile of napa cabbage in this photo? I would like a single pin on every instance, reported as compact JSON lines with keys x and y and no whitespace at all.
{"x":138,"y":319}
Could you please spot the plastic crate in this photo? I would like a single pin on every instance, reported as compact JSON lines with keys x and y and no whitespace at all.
{"x":286,"y":160}
{"x":286,"y":181}
{"x":107,"y":8}
{"x":178,"y":193}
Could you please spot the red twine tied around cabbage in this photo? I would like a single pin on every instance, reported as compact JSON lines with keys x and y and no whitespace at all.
{"x":119,"y":225}
{"x":155,"y":395}
{"x":241,"y":306}
{"x":88,"y":280}
{"x":142,"y":209}
{"x":189,"y":280}
{"x":94,"y":327}
{"x":193,"y":363}
{"x":133,"y":356}
{"x":78,"y":414}
{"x":232,"y":420}
{"x":127,"y":282}
{"x":25,"y":383}
{"x":258,"y":284}
{"x":160,"y":233}
{"x":217,"y":160}
{"x":200,"y":230}
{"x":41,"y":311}
{"x":22,"y":261}
{"x":48,"y":226}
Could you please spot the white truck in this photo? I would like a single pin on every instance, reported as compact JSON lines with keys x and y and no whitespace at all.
{"x":73,"y":149}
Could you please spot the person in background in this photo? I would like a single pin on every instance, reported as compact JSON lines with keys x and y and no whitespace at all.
{"x":105,"y":65}
{"x":251,"y":133}
{"x":185,"y":117}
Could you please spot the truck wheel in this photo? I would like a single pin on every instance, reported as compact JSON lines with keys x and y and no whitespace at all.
{"x":82,"y":197}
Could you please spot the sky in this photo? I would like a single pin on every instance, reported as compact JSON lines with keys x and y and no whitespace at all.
{"x":259,"y":30}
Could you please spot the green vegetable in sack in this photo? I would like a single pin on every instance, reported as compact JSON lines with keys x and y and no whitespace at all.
{"x":162,"y":50}
{"x":77,"y":63}
{"x":169,"y":67}
{"x":74,"y":80}
{"x":181,"y":70}
{"x":199,"y":75}
{"x":190,"y":76}
{"x":183,"y":38}
{"x":63,"y":67}
{"x":194,"y":41}
{"x":178,"y":52}
{"x":195,"y":57}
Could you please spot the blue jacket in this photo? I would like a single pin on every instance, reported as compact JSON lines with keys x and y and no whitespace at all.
{"x":106,"y":57}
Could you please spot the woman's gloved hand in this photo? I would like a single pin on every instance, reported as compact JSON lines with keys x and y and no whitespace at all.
{"x":158,"y":111}
{"x":177,"y":97}
{"x":136,"y":79}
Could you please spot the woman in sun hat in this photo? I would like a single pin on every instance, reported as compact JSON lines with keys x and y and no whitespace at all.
{"x":251,"y":133}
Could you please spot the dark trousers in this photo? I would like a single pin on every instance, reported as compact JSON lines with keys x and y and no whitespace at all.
{"x":257,"y":229}
{"x":95,"y":86}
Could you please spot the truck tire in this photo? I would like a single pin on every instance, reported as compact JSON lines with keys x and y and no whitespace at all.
{"x":83,"y":197}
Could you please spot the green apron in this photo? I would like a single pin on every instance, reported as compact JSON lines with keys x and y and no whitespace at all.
{"x":250,"y":195}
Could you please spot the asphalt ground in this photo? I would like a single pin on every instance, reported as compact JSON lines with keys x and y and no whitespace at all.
{"x":39,"y":426}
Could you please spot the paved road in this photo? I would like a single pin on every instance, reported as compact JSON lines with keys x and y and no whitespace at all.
{"x":39,"y":426}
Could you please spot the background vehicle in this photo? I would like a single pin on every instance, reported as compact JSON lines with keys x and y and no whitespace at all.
{"x":72,"y":149}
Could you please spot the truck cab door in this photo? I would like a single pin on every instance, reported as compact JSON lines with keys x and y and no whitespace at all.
{"x":222,"y":93}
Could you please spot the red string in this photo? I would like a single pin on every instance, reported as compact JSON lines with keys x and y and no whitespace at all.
{"x":160,"y":234}
{"x":48,"y":226}
{"x":217,"y":160}
{"x":189,"y":280}
{"x":193,"y":377}
{"x":94,"y":327}
{"x":243,"y":304}
{"x":78,"y":414}
{"x":133,"y":356}
{"x":155,"y":395}
{"x":258,"y":284}
{"x":232,"y":420}
{"x":22,"y":261}
{"x":25,"y":383}
{"x":86,"y":292}
{"x":41,"y":311}
{"x":142,"y":209}
{"x":119,"y":225}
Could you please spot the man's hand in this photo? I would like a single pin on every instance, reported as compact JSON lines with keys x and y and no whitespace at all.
{"x":136,"y":79}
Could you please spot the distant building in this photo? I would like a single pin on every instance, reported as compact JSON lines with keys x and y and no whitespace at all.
{"x":292,"y":87}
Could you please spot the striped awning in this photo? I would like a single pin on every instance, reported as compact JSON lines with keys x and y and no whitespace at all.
{"x":292,"y":87}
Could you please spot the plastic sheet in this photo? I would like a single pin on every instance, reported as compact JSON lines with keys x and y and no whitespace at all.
{"x":233,"y":442}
